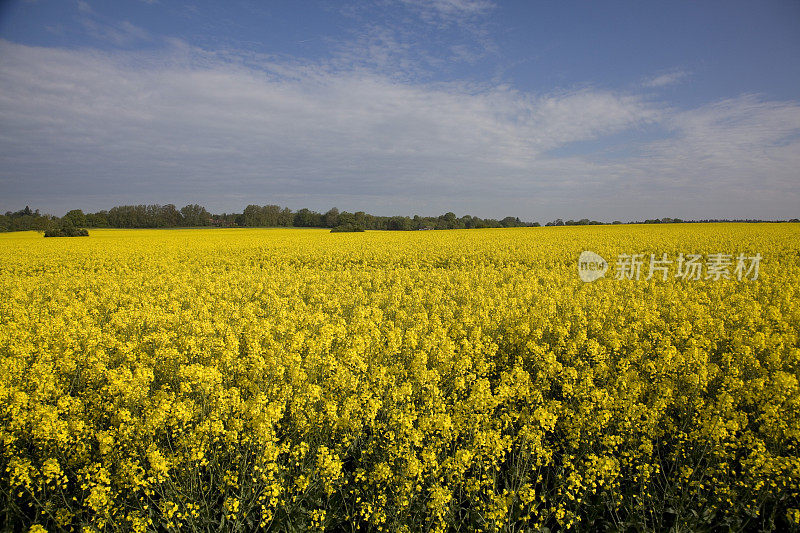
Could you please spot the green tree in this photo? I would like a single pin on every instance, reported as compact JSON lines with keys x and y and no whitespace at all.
{"x":97,"y":220}
{"x":64,"y":228}
{"x":286,"y":218}
{"x":306,"y":218}
{"x":332,"y":218}
{"x":448,"y":221}
{"x":399,"y":224}
{"x":195,"y":215}
{"x":76,"y":218}
{"x":252,"y":216}
{"x":360,"y":219}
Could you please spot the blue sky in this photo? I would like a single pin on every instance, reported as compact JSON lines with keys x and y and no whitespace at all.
{"x":542,"y":110}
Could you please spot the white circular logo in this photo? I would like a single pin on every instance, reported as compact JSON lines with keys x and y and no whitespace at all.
{"x":591,"y":266}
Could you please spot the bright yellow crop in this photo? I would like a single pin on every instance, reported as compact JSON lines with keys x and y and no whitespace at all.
{"x":397,"y":381}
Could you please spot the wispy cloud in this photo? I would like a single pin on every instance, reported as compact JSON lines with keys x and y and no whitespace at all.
{"x":450,"y":10}
{"x":668,"y":78}
{"x":118,"y":33}
{"x":229,"y":129}
{"x":121,"y":34}
{"x":415,"y":38}
{"x":744,"y":144}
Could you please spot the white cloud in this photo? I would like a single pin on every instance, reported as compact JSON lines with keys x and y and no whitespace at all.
{"x":668,"y":78}
{"x":450,"y":10}
{"x":119,"y":33}
{"x":185,"y":125}
{"x":742,"y":146}
{"x":84,"y":7}
{"x":390,"y":41}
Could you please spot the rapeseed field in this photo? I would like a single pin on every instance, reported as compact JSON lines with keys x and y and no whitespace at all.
{"x":290,"y":380}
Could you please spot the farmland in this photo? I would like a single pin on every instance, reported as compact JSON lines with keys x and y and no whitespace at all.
{"x":294,"y":379}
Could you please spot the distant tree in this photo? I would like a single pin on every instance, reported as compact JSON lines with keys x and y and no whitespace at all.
{"x":162,"y":216}
{"x":467,"y":221}
{"x":262,"y":216}
{"x":271,"y":214}
{"x":347,"y":228}
{"x":152,"y":216}
{"x":373,"y":222}
{"x":126,"y":216}
{"x":97,"y":220}
{"x":347,"y":218}
{"x":511,"y":222}
{"x":331,"y":218}
{"x":118,"y":217}
{"x":286,"y":218}
{"x":144,"y":216}
{"x":25,"y":220}
{"x":448,"y":221}
{"x":360,"y":219}
{"x":305,"y":218}
{"x":399,"y":224}
{"x":76,"y":218}
{"x":252,"y":216}
{"x":168,"y":216}
{"x":65,"y":228}
{"x":195,"y":215}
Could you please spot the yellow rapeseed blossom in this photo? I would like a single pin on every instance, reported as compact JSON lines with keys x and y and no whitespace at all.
{"x":398,"y":381}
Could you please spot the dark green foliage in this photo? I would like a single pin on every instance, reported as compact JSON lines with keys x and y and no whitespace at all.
{"x":76,"y":218}
{"x":25,"y":220}
{"x":267,"y":216}
{"x":65,"y":229}
{"x":167,"y":216}
{"x":331,"y":218}
{"x":305,"y":218}
{"x":399,"y":224}
{"x":195,"y":215}
{"x":144,"y":216}
{"x":347,"y":228}
{"x":97,"y":220}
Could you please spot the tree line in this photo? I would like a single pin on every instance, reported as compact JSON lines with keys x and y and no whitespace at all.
{"x":193,"y":215}
{"x":665,"y":220}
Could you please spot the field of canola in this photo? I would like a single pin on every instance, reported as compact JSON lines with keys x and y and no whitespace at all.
{"x":397,"y":381}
